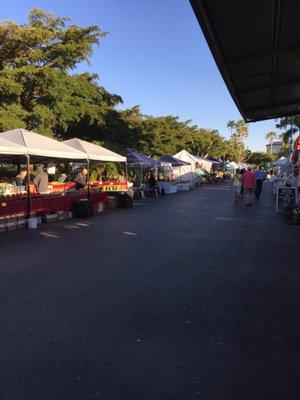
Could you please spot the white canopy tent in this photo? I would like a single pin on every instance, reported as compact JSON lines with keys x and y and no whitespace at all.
{"x":205,"y":164}
{"x":41,"y":146}
{"x":93,"y":151}
{"x":30,"y":144}
{"x":10,"y":148}
{"x":186,"y":156}
{"x":185,"y":172}
{"x":281,"y":161}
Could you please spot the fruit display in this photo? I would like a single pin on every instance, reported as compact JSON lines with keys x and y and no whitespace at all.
{"x":7,"y":188}
{"x":109,"y":186}
{"x":58,"y":187}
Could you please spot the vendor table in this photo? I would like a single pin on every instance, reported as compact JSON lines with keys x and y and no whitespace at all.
{"x":183,"y":186}
{"x":12,"y":205}
{"x":169,"y":187}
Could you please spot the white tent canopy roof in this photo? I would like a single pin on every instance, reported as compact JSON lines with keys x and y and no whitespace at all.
{"x":93,"y":151}
{"x":41,"y":146}
{"x":186,"y":156}
{"x":281,"y":161}
{"x":10,"y":148}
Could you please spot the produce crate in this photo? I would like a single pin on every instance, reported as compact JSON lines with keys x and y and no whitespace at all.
{"x":112,"y":202}
{"x":64,"y":215}
{"x":49,"y":217}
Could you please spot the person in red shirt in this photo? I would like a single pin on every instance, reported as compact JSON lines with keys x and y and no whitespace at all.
{"x":249,"y":185}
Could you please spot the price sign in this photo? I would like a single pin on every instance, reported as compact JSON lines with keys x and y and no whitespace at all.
{"x":286,"y":196}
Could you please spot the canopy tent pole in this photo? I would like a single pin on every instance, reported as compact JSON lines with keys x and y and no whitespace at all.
{"x":28,"y":186}
{"x":88,"y":177}
{"x":126,"y":171}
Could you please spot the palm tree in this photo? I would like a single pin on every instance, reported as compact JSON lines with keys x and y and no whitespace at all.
{"x":241,"y":129}
{"x":230,"y":125}
{"x":271,"y":136}
{"x":291,"y":126}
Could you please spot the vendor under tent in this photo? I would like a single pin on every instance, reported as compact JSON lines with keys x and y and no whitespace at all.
{"x":25,"y":146}
{"x":98,"y":153}
{"x":143,"y":172}
{"x":141,"y":162}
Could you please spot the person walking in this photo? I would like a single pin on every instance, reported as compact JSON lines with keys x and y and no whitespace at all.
{"x":249,"y":185}
{"x":237,"y":184}
{"x":260,"y":175}
{"x":242,"y":188}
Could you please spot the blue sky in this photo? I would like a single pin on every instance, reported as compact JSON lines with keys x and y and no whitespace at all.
{"x":155,"y":55}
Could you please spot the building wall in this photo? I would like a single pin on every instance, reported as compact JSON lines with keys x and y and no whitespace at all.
{"x":275,"y":148}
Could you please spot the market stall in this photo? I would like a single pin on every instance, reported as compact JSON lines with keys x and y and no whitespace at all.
{"x":199,"y":167}
{"x":98,"y":153}
{"x":187,"y":172}
{"x":179,"y":169}
{"x":143,"y":171}
{"x":24,"y":147}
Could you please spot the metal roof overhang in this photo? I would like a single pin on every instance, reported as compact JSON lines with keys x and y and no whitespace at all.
{"x":256,"y":46}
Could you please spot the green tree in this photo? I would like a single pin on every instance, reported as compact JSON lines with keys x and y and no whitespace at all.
{"x":260,"y":158}
{"x":290,"y":125}
{"x":236,"y":149}
{"x":38,"y":90}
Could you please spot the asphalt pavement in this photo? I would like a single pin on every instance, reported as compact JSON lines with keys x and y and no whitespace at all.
{"x":185,"y":297}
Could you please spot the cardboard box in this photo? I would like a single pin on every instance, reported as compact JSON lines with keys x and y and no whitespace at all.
{"x":112,"y":202}
{"x":64,"y":215}
{"x":49,"y":218}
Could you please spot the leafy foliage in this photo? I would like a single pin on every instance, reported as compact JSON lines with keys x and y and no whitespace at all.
{"x":36,"y":89}
{"x":261,"y":158}
{"x":290,"y":125}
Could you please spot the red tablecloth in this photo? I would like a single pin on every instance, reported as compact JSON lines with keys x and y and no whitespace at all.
{"x":46,"y":204}
{"x":12,"y":206}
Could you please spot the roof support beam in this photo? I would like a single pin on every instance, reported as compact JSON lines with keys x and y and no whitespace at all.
{"x":275,"y":35}
{"x":258,"y":56}
{"x":270,"y":59}
{"x":276,"y":85}
{"x":283,"y":104}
